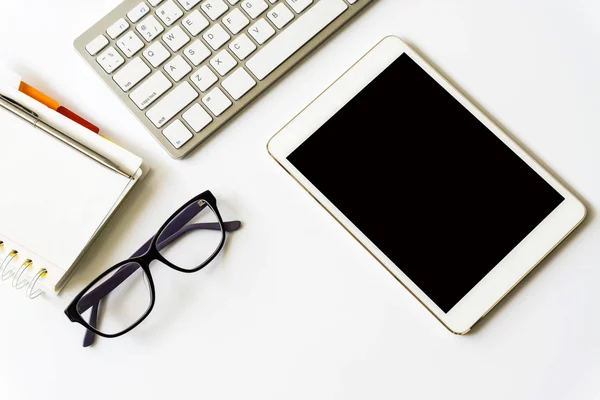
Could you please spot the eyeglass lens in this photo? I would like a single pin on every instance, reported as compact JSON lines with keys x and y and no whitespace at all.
{"x":191,"y":245}
{"x":125,"y":295}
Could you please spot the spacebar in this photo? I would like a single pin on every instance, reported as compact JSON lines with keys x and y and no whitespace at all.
{"x":292,"y":38}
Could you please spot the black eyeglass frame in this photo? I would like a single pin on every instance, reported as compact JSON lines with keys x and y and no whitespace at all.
{"x":144,"y":260}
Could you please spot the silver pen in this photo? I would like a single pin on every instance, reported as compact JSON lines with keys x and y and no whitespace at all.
{"x":31,"y":117}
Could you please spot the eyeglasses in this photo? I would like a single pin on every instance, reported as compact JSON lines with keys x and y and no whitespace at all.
{"x":188,"y":241}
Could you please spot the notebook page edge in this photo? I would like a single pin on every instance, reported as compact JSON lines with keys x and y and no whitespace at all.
{"x":137,"y":178}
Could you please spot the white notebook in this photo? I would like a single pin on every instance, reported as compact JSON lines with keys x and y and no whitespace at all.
{"x":53,"y":199}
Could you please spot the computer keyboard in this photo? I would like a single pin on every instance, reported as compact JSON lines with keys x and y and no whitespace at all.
{"x":185,"y":67}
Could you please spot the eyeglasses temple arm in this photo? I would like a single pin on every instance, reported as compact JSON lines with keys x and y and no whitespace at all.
{"x":94,"y":298}
{"x":230,"y":226}
{"x":90,"y":336}
{"x":179,"y":222}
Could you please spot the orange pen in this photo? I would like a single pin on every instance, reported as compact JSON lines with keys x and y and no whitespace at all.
{"x":53,"y":104}
{"x":16,"y":82}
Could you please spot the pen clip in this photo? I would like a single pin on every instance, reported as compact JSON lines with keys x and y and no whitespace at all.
{"x":20,"y":107}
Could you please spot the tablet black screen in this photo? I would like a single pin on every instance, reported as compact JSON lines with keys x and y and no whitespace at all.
{"x":425,"y":181}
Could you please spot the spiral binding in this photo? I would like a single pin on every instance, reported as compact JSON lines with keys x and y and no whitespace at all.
{"x":5,"y":263}
{"x":29,"y":292}
{"x":18,"y":281}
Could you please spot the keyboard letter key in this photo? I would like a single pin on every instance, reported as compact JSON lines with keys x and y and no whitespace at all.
{"x":242,"y":47}
{"x":261,"y":31}
{"x":235,"y":21}
{"x":204,"y":78}
{"x":216,"y":37}
{"x":280,"y":15}
{"x":214,"y":8}
{"x":176,"y":38}
{"x":223,"y":62}
{"x":177,"y":68}
{"x":195,"y":23}
{"x":197,"y":52}
{"x":156,"y":54}
{"x":254,"y":7}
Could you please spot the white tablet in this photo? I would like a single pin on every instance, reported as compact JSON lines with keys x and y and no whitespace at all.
{"x":432,"y":188}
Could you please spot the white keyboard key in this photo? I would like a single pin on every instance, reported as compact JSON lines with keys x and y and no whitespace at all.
{"x":197,"y":117}
{"x":295,"y":36}
{"x":238,"y":83}
{"x":235,"y":21}
{"x":156,"y":54}
{"x":204,"y":78}
{"x":131,"y":74}
{"x":117,"y":28}
{"x":195,"y":23}
{"x":177,"y":134}
{"x":150,"y":28}
{"x":110,"y":60}
{"x":242,"y":46}
{"x":96,"y":45}
{"x":197,"y":52}
{"x":280,"y":16}
{"x":261,"y":31}
{"x":216,"y":37}
{"x":154,"y":3}
{"x":216,"y":101}
{"x":188,"y":4}
{"x":254,"y":7}
{"x":214,"y":8}
{"x":223,"y":62}
{"x":176,"y":38}
{"x":150,"y":90}
{"x":299,"y":5}
{"x":169,"y":13}
{"x":233,"y":2}
{"x":177,"y":68}
{"x":171,"y":104}
{"x":352,"y":1}
{"x":272,"y":1}
{"x":138,"y":12}
{"x":130,"y":44}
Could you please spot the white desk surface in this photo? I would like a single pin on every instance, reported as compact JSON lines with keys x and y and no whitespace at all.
{"x":295,"y":309}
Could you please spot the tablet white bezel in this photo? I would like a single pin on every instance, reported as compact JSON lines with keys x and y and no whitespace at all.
{"x":511,"y":270}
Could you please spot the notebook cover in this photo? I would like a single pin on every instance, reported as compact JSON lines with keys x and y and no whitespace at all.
{"x":54,"y":200}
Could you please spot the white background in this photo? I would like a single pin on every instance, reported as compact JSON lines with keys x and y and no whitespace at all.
{"x":294,"y":308}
